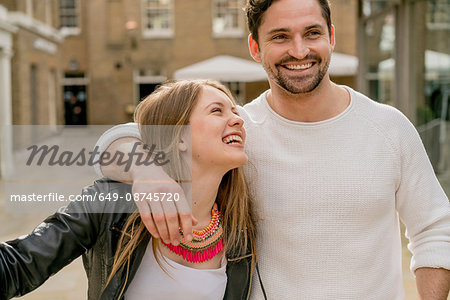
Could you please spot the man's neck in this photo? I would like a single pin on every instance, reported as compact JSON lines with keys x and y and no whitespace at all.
{"x":325,"y":102}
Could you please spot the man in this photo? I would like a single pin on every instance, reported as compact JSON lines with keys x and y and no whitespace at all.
{"x":331,"y":171}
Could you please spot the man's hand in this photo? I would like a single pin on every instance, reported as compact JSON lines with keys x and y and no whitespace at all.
{"x":433,"y":284}
{"x":162,"y":217}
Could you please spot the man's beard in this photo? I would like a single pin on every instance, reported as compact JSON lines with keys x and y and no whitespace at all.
{"x":298,"y":84}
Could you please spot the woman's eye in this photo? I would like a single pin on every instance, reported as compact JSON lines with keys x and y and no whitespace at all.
{"x":216,"y":110}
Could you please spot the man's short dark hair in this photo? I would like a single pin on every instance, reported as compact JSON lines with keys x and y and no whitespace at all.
{"x":255,"y":9}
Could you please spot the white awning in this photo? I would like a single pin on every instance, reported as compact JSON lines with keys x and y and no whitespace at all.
{"x":224,"y":68}
{"x":435,"y":62}
{"x":234,"y":69}
{"x":343,"y":65}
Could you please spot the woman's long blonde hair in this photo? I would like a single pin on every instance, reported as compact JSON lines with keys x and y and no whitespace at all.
{"x":172,"y":104}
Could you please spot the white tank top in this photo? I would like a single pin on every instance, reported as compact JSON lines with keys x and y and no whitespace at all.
{"x":151,"y":282}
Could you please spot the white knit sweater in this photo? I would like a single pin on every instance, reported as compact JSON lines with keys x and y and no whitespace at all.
{"x":328,"y":194}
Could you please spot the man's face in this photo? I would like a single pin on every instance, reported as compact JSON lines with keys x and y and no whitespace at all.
{"x":294,"y":45}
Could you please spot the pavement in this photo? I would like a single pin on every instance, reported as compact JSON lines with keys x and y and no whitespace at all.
{"x":71,"y":283}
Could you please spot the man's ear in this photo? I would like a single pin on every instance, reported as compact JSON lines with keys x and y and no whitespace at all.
{"x":332,"y":37}
{"x":254,"y":48}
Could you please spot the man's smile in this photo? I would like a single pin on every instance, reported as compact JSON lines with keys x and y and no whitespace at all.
{"x":298,"y":66}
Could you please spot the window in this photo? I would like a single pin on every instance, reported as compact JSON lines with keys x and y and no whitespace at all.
{"x":158,"y":18}
{"x":228,"y":19}
{"x":438,"y":15}
{"x":68,"y":12}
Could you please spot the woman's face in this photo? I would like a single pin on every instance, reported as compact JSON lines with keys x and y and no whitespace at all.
{"x":218,"y":134}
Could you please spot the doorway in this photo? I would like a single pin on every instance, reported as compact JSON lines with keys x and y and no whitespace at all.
{"x":75,"y":104}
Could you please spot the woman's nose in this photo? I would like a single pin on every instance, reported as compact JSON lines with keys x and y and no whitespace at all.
{"x":236,"y":120}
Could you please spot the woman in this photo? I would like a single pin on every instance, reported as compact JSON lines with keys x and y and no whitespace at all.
{"x":119,"y":259}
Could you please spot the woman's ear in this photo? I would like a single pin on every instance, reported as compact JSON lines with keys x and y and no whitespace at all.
{"x":182,"y":146}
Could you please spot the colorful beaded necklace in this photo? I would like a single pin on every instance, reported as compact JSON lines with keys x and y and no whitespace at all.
{"x":206,"y":243}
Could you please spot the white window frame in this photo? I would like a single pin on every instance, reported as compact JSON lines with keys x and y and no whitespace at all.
{"x":160,"y":32}
{"x":71,"y":30}
{"x":438,"y":24}
{"x":230,"y":32}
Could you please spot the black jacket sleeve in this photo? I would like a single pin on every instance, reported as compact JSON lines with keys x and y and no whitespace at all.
{"x":28,"y":261}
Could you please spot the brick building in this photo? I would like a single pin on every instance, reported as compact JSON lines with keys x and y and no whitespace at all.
{"x":35,"y":61}
{"x":75,"y":62}
{"x":116,"y":52}
{"x":90,"y":62}
{"x":29,"y":69}
{"x":6,"y":44}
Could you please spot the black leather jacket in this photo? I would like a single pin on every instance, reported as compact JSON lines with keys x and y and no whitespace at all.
{"x":91,"y":229}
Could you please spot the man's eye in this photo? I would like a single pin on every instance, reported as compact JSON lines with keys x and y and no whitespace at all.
{"x":279,"y":37}
{"x":314,"y":33}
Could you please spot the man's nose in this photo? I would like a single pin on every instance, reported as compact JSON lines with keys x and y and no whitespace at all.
{"x":298,"y":48}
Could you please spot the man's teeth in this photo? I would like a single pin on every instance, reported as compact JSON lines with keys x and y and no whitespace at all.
{"x":232,"y":139}
{"x":299,"y":67}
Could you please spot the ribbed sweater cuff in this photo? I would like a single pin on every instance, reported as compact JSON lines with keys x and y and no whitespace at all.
{"x":431,"y":255}
{"x":112,"y":134}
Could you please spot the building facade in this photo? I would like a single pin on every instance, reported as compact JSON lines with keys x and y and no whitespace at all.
{"x":6,"y":44}
{"x":117,"y":51}
{"x":35,"y":61}
{"x":78,"y":62}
